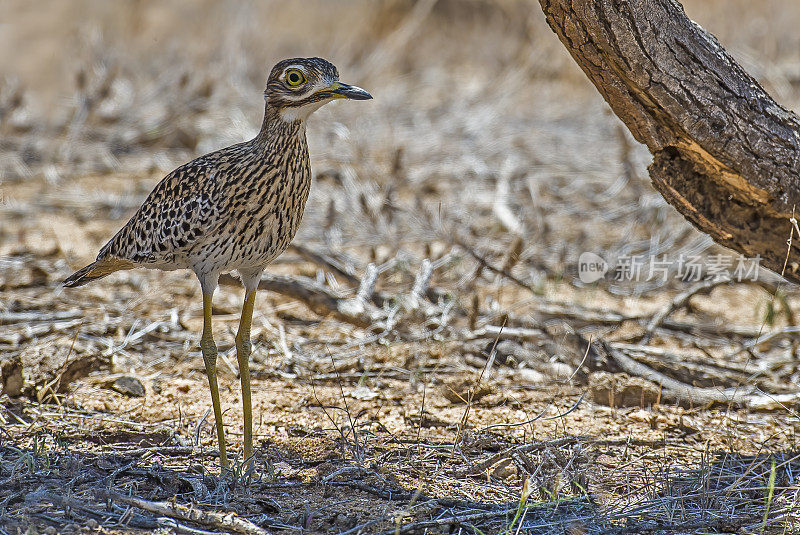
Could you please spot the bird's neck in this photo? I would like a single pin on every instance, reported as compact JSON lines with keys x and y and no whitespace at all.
{"x":277,"y":130}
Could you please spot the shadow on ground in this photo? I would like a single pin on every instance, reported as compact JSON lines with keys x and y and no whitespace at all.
{"x":179,"y":488}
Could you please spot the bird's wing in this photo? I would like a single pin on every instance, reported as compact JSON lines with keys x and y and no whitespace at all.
{"x":184,"y":207}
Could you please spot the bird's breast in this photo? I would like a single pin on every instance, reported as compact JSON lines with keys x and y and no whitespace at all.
{"x":270,"y":213}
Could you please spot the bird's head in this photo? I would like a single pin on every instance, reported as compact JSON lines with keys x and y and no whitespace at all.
{"x":298,"y":87}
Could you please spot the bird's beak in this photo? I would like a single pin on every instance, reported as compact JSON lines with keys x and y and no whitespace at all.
{"x":340,"y":90}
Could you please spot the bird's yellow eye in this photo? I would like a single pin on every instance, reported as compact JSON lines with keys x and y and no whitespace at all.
{"x":295,"y":77}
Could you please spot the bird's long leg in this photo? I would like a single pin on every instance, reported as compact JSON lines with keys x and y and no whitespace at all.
{"x":209,"y":349}
{"x":243,"y":347}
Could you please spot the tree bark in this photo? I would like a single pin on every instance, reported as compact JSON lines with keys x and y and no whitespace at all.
{"x":725,"y":154}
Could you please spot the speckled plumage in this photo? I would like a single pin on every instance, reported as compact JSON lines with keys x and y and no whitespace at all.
{"x":234,"y":209}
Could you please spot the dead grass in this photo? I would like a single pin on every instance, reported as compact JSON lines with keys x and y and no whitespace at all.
{"x":427,"y":360}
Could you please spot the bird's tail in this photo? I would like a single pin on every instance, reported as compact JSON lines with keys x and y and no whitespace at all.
{"x":96,"y":270}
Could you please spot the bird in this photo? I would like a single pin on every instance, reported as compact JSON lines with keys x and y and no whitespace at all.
{"x":235,"y":209}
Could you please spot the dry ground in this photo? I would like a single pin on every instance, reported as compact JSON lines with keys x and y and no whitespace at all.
{"x":480,"y":387}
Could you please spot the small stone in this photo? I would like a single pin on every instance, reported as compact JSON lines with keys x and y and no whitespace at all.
{"x":504,"y":469}
{"x":283,"y":469}
{"x":363,"y":393}
{"x":526,"y":375}
{"x":641,"y":415}
{"x":92,"y":524}
{"x":130,"y":386}
{"x":11,"y":377}
{"x":345,"y":521}
{"x":621,"y":390}
{"x":155,"y":386}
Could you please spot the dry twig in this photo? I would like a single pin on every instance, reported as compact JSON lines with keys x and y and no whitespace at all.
{"x":680,"y":301}
{"x":679,"y":391}
{"x":226,"y":521}
{"x":318,"y":298}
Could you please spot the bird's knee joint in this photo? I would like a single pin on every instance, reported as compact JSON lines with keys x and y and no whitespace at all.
{"x":209,"y":348}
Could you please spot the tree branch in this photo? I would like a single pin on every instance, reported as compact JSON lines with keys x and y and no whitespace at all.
{"x":725,"y":154}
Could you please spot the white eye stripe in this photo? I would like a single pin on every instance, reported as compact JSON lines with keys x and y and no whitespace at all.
{"x":291,"y":68}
